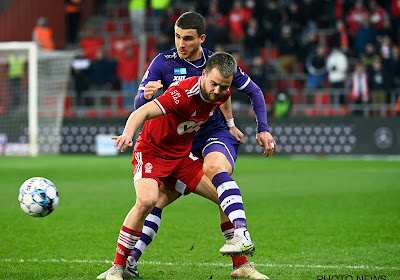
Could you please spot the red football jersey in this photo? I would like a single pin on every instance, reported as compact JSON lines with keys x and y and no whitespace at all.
{"x":185,"y":110}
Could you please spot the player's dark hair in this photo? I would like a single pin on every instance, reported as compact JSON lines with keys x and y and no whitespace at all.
{"x":224,"y":62}
{"x":192,"y":20}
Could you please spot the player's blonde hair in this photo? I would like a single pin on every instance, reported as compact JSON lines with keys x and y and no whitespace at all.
{"x":224,"y":62}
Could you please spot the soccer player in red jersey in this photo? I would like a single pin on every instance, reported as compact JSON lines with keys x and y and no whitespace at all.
{"x":216,"y":142}
{"x":162,"y":151}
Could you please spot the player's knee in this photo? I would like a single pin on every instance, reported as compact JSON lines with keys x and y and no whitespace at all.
{"x":145,"y":205}
{"x":212,"y":169}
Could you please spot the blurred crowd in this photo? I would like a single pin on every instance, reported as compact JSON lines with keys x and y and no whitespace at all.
{"x":335,"y":44}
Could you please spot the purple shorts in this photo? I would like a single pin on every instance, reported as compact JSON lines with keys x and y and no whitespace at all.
{"x":217,"y":141}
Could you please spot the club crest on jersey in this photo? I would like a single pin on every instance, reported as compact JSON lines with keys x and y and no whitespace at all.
{"x":180,"y":71}
{"x":148,"y":167}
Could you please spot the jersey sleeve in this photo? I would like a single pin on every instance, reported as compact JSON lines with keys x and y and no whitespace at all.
{"x":154,"y":72}
{"x":243,"y":82}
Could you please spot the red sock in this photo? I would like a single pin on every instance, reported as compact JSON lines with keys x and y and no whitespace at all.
{"x":126,"y":242}
{"x":228,"y":231}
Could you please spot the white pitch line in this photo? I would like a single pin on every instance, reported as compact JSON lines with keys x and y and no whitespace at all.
{"x":313,"y":266}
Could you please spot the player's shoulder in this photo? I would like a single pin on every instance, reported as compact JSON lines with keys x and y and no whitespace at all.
{"x":207,"y":52}
{"x":185,"y":84}
{"x":187,"y":88}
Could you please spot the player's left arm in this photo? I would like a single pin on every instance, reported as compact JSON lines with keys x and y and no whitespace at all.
{"x":226,"y":109}
{"x":253,"y":91}
{"x":148,"y":111}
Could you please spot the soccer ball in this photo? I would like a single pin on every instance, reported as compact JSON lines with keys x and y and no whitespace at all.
{"x":38,"y":197}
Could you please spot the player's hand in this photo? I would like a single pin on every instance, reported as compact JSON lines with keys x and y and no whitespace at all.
{"x":122,"y":142}
{"x":151,"y":88}
{"x":266,"y":141}
{"x":239,"y":136}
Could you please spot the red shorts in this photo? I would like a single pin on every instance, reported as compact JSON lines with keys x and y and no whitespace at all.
{"x":183,"y":174}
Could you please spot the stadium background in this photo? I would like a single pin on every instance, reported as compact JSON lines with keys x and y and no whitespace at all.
{"x":320,"y":123}
{"x":311,"y":217}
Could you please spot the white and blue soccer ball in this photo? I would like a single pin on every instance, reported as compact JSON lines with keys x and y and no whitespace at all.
{"x":38,"y":197}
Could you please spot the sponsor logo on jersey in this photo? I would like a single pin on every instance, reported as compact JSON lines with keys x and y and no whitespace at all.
{"x":148,"y":167}
{"x":179,"y":78}
{"x":189,"y":127}
{"x":180,"y":71}
{"x":175,"y":95}
{"x":174,"y":55}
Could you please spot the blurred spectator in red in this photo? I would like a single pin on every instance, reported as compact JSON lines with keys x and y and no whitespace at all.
{"x":359,"y":87}
{"x":238,"y":17}
{"x":355,"y":16}
{"x":288,"y":49}
{"x":216,"y":27}
{"x":43,"y":35}
{"x":73,"y":17}
{"x":240,"y":62}
{"x":119,"y":43}
{"x":340,"y":9}
{"x":101,"y":72}
{"x":127,"y":73}
{"x":250,"y":6}
{"x":254,"y":39}
{"x":340,"y":37}
{"x":316,"y":67}
{"x":377,"y":14}
{"x":366,"y":34}
{"x":91,"y":43}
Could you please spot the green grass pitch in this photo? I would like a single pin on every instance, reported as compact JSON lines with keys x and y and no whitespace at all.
{"x":310,"y":218}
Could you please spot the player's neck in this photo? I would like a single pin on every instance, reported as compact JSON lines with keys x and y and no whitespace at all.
{"x":197,"y":56}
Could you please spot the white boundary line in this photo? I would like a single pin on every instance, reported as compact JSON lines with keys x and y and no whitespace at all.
{"x":313,"y":266}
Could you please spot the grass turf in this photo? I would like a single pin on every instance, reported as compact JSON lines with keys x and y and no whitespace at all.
{"x":309,"y":218}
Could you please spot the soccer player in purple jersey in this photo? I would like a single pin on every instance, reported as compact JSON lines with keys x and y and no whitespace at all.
{"x":216,"y":142}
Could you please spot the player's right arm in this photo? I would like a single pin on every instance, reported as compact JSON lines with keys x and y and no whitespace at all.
{"x":151,"y":81}
{"x":135,"y":121}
